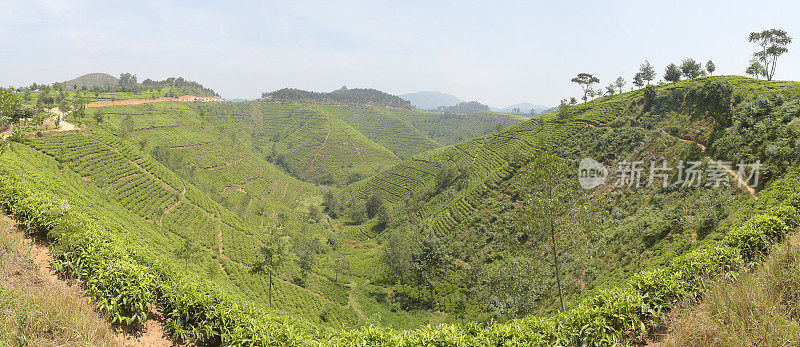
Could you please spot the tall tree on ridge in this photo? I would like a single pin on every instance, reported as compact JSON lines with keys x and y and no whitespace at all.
{"x":554,"y":215}
{"x":773,"y":44}
{"x":710,"y":67}
{"x":585,"y":81}
{"x":672,"y":73}
{"x":619,"y":83}
{"x":647,"y":72}
{"x":691,"y":69}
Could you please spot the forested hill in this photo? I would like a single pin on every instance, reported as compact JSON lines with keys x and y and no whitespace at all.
{"x":342,"y":96}
{"x":126,"y":83}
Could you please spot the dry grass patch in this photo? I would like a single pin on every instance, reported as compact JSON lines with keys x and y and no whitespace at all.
{"x":761,"y":308}
{"x":36,"y":311}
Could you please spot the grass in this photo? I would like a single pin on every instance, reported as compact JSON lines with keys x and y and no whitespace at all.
{"x":34,"y":311}
{"x":760,"y":308}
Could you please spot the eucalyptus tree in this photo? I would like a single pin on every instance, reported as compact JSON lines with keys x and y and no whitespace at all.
{"x":555,"y":215}
{"x":620,"y":83}
{"x":773,"y":44}
{"x":710,"y":67}
{"x":273,"y":255}
{"x":648,"y":73}
{"x":672,"y":73}
{"x":585,"y":81}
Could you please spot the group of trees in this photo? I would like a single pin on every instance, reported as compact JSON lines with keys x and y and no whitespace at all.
{"x":772,"y":45}
{"x":412,"y":259}
{"x":464,"y":108}
{"x":356,"y":96}
{"x":689,"y":69}
{"x":127,"y":82}
{"x":175,"y":82}
{"x":12,"y":111}
{"x":587,"y":80}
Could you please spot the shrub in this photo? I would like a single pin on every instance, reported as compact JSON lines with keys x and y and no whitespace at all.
{"x":755,"y":236}
{"x":705,"y":262}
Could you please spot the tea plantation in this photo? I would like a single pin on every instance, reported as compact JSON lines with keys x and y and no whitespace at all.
{"x":394,"y":239}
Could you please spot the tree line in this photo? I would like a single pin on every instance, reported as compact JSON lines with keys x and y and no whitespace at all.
{"x":772,"y":44}
{"x":127,"y":82}
{"x":345,"y":96}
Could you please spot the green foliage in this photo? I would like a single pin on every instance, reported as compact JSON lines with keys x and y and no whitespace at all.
{"x":464,"y":108}
{"x":649,"y":97}
{"x":755,"y":236}
{"x":672,"y":73}
{"x":9,"y":105}
{"x":712,"y":98}
{"x":341,"y":96}
{"x":773,"y":44}
{"x":691,"y":69}
{"x":436,"y":194}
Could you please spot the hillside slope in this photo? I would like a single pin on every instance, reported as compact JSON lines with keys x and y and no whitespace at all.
{"x":467,"y":206}
{"x":469,"y":195}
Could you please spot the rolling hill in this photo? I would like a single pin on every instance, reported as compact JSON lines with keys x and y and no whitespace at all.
{"x":400,"y":232}
{"x":92,"y":80}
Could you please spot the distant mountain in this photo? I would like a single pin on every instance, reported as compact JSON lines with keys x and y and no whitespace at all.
{"x":428,"y":100}
{"x":524,"y":108}
{"x":552,"y":109}
{"x":92,"y":80}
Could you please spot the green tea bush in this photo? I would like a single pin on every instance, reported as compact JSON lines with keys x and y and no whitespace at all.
{"x":123,"y":289}
{"x":755,"y":236}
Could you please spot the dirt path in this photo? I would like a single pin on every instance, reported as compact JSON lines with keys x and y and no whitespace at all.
{"x":741,"y":182}
{"x":731,"y":172}
{"x":63,"y":125}
{"x":6,"y":133}
{"x":184,"y":98}
{"x":38,"y":251}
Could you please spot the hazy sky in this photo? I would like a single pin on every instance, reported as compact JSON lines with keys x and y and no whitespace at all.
{"x":498,"y":54}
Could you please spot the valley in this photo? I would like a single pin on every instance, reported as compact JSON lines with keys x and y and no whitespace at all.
{"x":306,"y":220}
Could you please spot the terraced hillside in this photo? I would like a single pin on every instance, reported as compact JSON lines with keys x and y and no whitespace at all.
{"x":469,"y":195}
{"x":102,"y":168}
{"x":449,"y":129}
{"x":128,"y":198}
